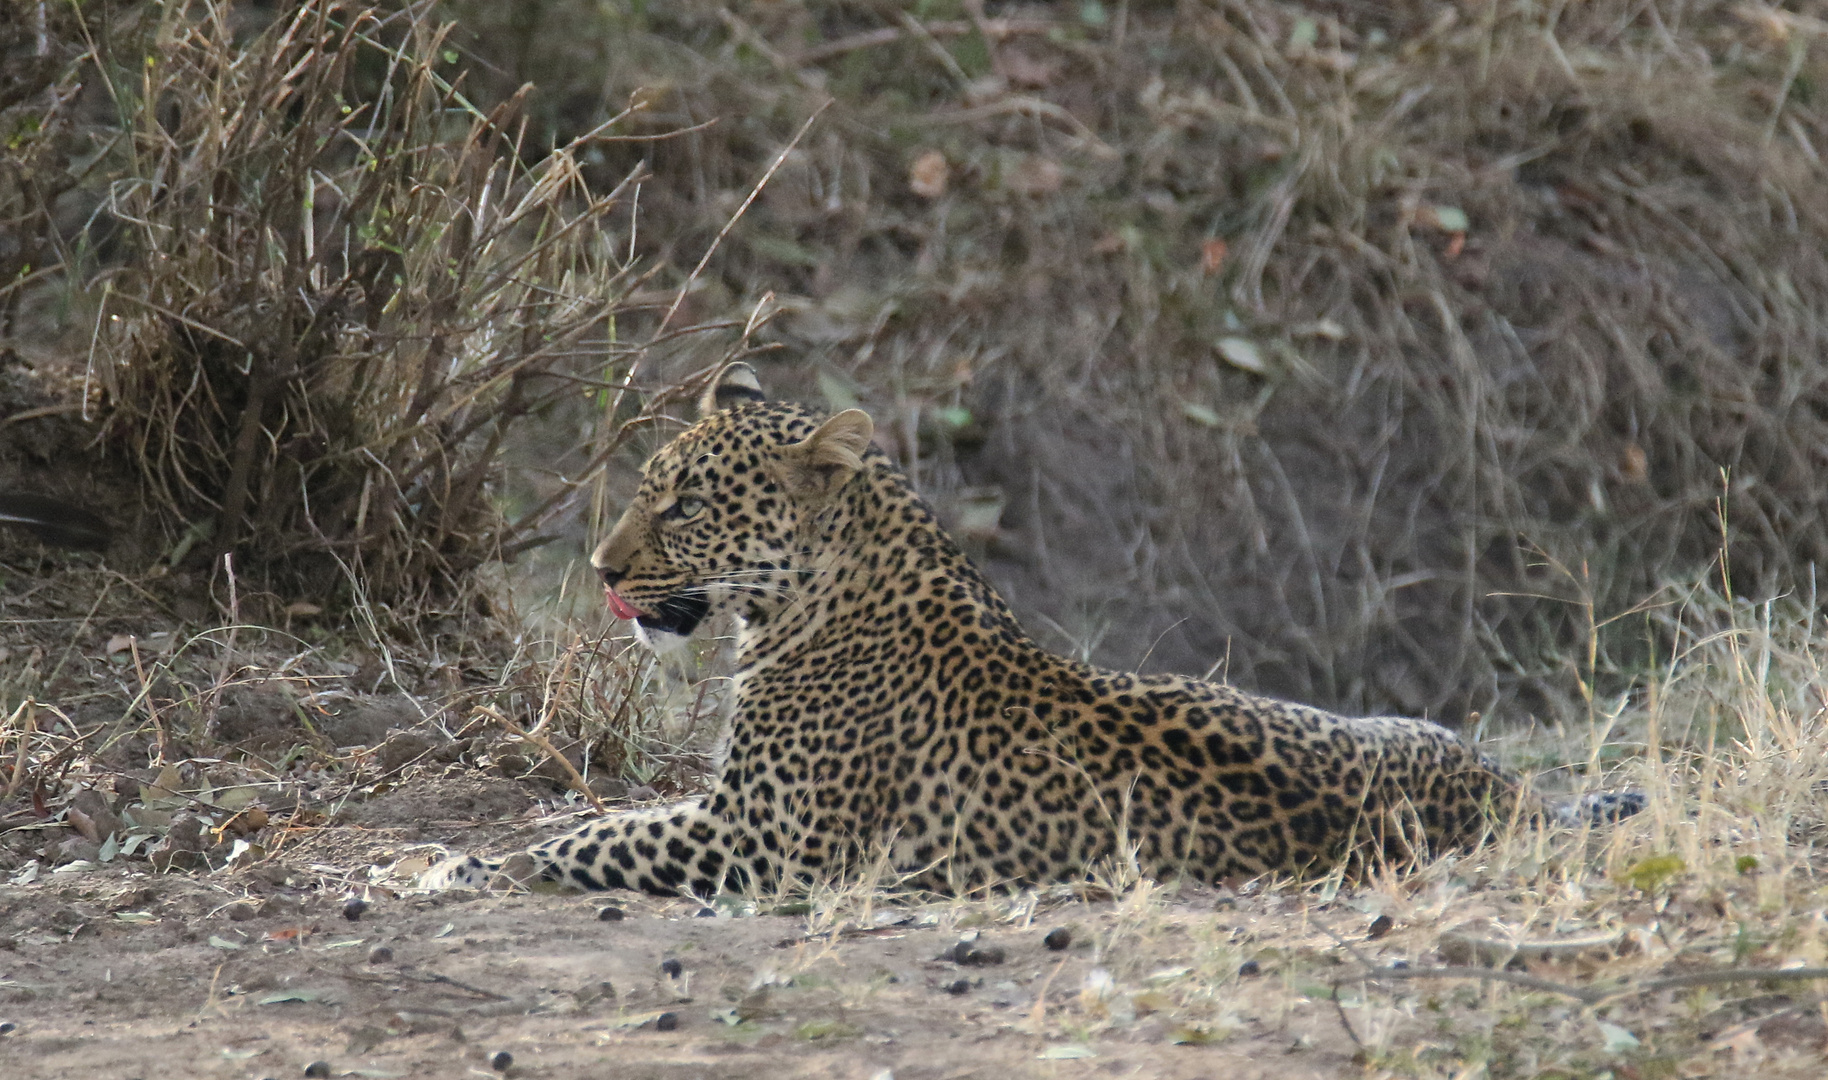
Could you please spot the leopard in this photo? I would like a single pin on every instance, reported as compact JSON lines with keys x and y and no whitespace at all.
{"x":889,"y":712}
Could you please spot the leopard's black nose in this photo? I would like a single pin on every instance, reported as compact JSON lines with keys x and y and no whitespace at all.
{"x":611,"y":575}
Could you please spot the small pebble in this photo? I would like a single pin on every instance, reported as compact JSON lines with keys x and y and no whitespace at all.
{"x":1380,"y":926}
{"x":972,"y":956}
{"x":1400,"y":965}
{"x":353,"y":908}
{"x":7,"y":1027}
{"x":381,"y":954}
{"x":666,"y":1022}
{"x":706,"y":913}
{"x":611,"y":914}
{"x":501,"y":1061}
{"x":1250,"y":968}
{"x":963,"y":986}
{"x":317,"y":1069}
{"x":672,"y":969}
{"x":1058,"y":938}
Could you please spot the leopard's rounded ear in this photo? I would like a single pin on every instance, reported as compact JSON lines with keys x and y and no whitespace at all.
{"x":825,"y":461}
{"x":735,"y":385}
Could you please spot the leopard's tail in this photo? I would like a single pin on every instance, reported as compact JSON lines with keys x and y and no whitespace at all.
{"x":459,"y":872}
{"x":1597,"y":807}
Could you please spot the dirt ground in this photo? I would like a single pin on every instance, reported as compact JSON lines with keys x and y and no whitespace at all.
{"x":120,"y":972}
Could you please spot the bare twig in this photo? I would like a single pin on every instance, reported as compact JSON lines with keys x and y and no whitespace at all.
{"x":773,"y":167}
{"x":870,"y":39}
{"x":546,"y":747}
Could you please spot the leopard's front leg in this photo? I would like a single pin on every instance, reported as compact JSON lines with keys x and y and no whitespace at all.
{"x":663,"y":850}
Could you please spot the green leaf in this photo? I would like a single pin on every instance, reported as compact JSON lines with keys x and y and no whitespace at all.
{"x":953,"y":417}
{"x":813,"y":1030}
{"x":1647,"y":875}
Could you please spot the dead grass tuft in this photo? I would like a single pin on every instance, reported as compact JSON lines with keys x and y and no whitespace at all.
{"x":339,"y":284}
{"x":1288,"y":337}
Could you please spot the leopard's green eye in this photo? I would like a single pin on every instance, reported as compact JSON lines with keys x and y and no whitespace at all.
{"x":686,"y":507}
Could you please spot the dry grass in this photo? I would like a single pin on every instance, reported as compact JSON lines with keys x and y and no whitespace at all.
{"x":1390,"y":358}
{"x":333,"y":285}
{"x":1289,"y":338}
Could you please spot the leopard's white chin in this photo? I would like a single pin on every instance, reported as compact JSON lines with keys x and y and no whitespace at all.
{"x":660,"y":642}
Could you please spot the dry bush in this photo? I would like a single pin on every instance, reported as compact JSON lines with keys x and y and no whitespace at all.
{"x":40,"y":45}
{"x":339,"y":284}
{"x":1288,"y":339}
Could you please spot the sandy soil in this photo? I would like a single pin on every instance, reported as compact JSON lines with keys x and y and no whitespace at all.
{"x":118,"y":972}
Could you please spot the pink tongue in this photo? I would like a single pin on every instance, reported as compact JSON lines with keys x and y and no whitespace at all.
{"x":619,"y":607}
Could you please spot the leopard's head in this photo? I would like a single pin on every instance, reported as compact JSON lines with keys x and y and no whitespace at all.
{"x":719,"y":522}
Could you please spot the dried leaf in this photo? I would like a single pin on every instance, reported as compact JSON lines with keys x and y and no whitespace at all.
{"x":1067,"y":1052}
{"x":1034,"y":174}
{"x":285,"y":996}
{"x":162,"y":793}
{"x":929,"y":176}
{"x":1212,"y":256}
{"x":1243,"y":353}
{"x":1618,"y":1039}
{"x":1445,"y":218}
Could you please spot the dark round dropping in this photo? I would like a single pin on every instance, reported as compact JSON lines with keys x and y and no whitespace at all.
{"x":501,"y":1061}
{"x":1400,"y":965}
{"x":666,"y":1022}
{"x":962,"y":986}
{"x":610,"y":914}
{"x":973,"y":956}
{"x":1058,"y":938}
{"x":317,"y":1069}
{"x":671,"y":968}
{"x":706,"y":913}
{"x":1380,"y":926}
{"x":7,"y":1027}
{"x":1249,"y":968}
{"x":381,"y":954}
{"x":353,"y":908}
